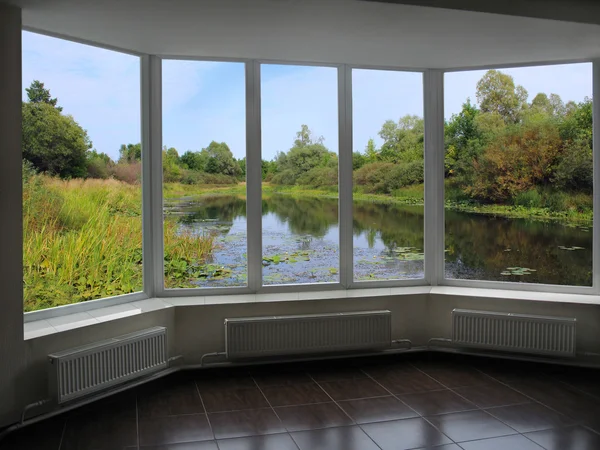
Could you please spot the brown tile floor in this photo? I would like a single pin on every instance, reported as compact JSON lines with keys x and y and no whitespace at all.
{"x":418,"y":401}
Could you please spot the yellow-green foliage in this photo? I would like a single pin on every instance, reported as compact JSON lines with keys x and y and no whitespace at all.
{"x":83,"y":240}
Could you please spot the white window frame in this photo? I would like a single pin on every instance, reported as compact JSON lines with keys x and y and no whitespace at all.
{"x":433,"y":106}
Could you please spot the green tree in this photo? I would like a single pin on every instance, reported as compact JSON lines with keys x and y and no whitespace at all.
{"x":497,"y":93}
{"x":403,"y":140}
{"x":52,"y":142}
{"x":37,"y":93}
{"x":130,"y":153}
{"x":371,"y":152}
{"x":463,"y":138}
{"x":219,"y":159}
{"x":194,"y":160}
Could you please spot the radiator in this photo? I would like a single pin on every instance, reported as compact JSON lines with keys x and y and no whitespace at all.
{"x":253,"y":337}
{"x":85,"y":370}
{"x":543,"y":335}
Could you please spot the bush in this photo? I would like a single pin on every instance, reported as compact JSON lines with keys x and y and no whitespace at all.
{"x":529,"y":199}
{"x":286,"y":177}
{"x":318,"y":177}
{"x":575,"y":170}
{"x":385,"y":178}
{"x":97,"y":168}
{"x":557,"y":201}
{"x":128,"y":173}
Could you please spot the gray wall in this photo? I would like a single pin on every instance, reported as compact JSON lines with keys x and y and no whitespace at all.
{"x":11,"y":242}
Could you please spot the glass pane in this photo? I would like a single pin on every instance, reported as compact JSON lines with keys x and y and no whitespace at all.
{"x":204,"y":173}
{"x":82,"y":214}
{"x":388,"y":175}
{"x":300,"y":167}
{"x":519,"y":175}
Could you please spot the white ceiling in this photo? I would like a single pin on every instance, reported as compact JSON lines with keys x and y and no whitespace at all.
{"x":334,"y":31}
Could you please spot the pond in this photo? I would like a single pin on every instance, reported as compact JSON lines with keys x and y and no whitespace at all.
{"x":301,"y":242}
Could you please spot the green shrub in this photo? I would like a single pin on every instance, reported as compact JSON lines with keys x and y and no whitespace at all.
{"x":556,"y":201}
{"x":286,"y":177}
{"x":529,"y":199}
{"x":318,"y":177}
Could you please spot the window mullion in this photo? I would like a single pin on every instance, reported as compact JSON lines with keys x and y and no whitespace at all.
{"x":253,"y":176}
{"x":152,"y":215}
{"x":596,"y":175}
{"x":433,"y":112}
{"x":345,"y":174}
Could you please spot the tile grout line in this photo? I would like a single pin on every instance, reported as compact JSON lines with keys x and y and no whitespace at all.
{"x":62,"y":435}
{"x":400,"y":400}
{"x":577,"y":422}
{"x":205,"y":412}
{"x":274,"y":412}
{"x":483,"y":410}
{"x":343,"y":410}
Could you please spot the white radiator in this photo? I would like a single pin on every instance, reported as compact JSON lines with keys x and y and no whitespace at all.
{"x":544,"y":335}
{"x":84,"y":370}
{"x":307,"y":334}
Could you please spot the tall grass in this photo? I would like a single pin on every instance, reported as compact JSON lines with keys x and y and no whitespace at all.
{"x":83,"y":240}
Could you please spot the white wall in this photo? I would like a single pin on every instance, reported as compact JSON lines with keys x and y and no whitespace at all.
{"x":11,"y":251}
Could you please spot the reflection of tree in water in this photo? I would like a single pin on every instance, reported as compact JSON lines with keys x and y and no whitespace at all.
{"x":483,"y":246}
{"x":216,"y":212}
{"x":312,"y":216}
{"x":396,"y":225}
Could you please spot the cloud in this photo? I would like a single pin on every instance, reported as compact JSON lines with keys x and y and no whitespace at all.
{"x":99,"y":88}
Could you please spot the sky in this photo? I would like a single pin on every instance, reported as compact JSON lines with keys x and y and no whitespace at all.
{"x":205,"y":101}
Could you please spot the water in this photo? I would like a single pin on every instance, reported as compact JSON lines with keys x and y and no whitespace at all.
{"x":301,"y":242}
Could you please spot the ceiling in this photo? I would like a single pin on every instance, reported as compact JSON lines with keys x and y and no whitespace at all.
{"x":324,"y":31}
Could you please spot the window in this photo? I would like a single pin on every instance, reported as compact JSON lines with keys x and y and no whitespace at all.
{"x":81,"y":173}
{"x":388,"y":216}
{"x":519,"y":175}
{"x":300,"y":232}
{"x":204,"y":171}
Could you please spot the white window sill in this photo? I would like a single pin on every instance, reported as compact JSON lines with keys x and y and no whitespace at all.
{"x":43,"y":327}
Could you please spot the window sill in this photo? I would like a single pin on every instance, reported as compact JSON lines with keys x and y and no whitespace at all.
{"x":48,"y":326}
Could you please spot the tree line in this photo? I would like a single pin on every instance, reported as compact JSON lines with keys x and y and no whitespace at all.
{"x":501,"y":149}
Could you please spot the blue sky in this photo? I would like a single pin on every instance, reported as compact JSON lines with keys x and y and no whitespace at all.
{"x":204,"y":101}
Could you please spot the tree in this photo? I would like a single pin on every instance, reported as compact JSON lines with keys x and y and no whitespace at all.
{"x":37,"y":93}
{"x":304,"y":137}
{"x":194,"y":160}
{"x":130,"y":153}
{"x":52,"y":142}
{"x":371,"y":152}
{"x":497,"y":93}
{"x":463,"y":139}
{"x":403,"y":140}
{"x":219,"y":159}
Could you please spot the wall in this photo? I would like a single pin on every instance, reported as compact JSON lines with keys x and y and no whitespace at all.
{"x":11,"y":250}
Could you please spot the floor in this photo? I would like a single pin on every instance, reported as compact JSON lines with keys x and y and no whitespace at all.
{"x":418,"y":401}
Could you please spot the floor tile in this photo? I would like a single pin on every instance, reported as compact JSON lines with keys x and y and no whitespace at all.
{"x":516,"y":442}
{"x":470,"y":426}
{"x":250,"y":422}
{"x":353,"y":389}
{"x":437,"y":402}
{"x":220,"y":379}
{"x":377,"y":409}
{"x":296,"y":394}
{"x":530,"y":417}
{"x":268,"y":442}
{"x":343,"y":438}
{"x":174,"y":429}
{"x":405,"y":434}
{"x":44,"y":435}
{"x":571,"y":438}
{"x":460,"y":377}
{"x":102,"y":433}
{"x":408,"y":382}
{"x":281,"y":379}
{"x":337,"y":374}
{"x":181,"y":398}
{"x":311,"y":417}
{"x":441,"y":447}
{"x":491,"y":395}
{"x":233,"y":399}
{"x":121,"y":405}
{"x":203,"y":445}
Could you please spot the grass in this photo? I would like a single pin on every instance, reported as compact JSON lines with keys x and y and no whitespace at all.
{"x":83,"y":240}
